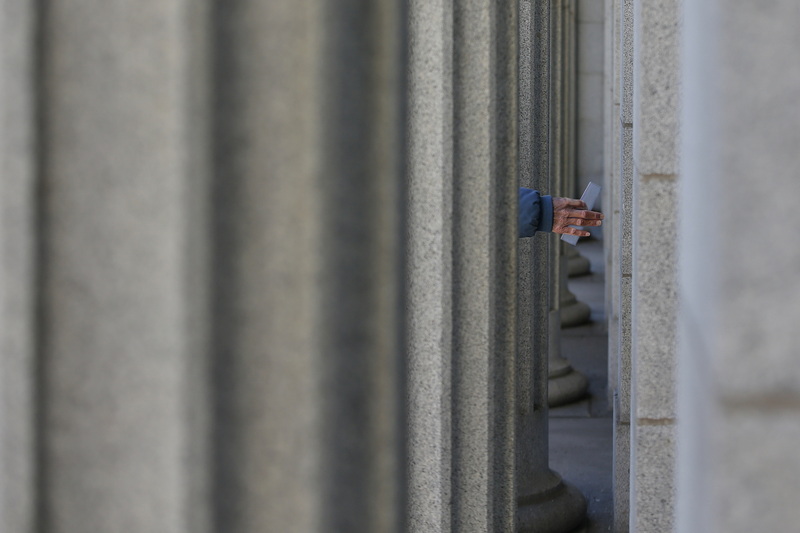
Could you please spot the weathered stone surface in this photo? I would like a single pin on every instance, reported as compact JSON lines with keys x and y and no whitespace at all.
{"x":626,"y":202}
{"x":429,"y":286}
{"x":484,"y":269}
{"x":655,"y":297}
{"x":656,"y":86}
{"x":626,"y":74}
{"x":652,"y":485}
{"x":621,"y":482}
{"x":624,"y":363}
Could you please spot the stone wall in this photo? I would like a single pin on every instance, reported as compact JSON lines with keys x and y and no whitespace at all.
{"x":739,"y":381}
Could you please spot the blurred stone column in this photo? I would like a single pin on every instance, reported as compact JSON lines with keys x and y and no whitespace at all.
{"x":566,"y":384}
{"x":656,"y":130}
{"x":19,"y":265}
{"x":546,"y":504}
{"x":207,"y":315}
{"x":104,"y":182}
{"x":309,"y":208}
{"x":739,"y":381}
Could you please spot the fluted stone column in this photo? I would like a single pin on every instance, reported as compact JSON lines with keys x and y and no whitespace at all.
{"x":206,"y":318}
{"x":611,"y":125}
{"x":462,"y":267}
{"x":104,"y":180}
{"x":624,"y":245}
{"x":572,"y":312}
{"x":430,"y":266}
{"x":19,"y":251}
{"x":484,"y":270}
{"x":546,"y":504}
{"x":566,"y":384}
{"x":589,"y":120}
{"x":739,"y":382}
{"x":656,"y":118}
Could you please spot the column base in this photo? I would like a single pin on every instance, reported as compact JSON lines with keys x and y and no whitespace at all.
{"x":577,"y":265}
{"x":564,"y":383}
{"x":558,"y":508}
{"x":575,"y":314}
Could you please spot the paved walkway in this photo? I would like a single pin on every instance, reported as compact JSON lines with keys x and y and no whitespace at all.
{"x":581,"y":441}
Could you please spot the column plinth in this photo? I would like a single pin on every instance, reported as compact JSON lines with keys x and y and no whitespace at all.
{"x":573,"y":312}
{"x":564,"y":384}
{"x":577,"y":264}
{"x":558,"y":507}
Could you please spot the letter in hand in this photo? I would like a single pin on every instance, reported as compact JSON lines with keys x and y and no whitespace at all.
{"x":569,"y":212}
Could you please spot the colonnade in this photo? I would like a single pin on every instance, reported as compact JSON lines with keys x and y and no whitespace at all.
{"x":202,"y":297}
{"x":261,"y":267}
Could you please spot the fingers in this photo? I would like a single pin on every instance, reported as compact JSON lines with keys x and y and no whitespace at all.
{"x":579,"y":218}
{"x":575,"y":221}
{"x":582,"y":214}
{"x":569,"y":230}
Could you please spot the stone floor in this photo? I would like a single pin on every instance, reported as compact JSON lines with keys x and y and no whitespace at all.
{"x":581,"y":433}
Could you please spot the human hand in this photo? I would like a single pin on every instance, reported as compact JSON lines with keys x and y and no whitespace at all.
{"x":568,"y":212}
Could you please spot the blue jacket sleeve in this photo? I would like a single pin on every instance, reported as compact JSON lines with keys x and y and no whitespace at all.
{"x":535,"y":212}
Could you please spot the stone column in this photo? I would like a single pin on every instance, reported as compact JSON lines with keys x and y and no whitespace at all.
{"x":739,"y":382}
{"x":19,"y":250}
{"x":611,"y":125}
{"x":462,"y":270}
{"x":566,"y":384}
{"x":656,"y":118}
{"x":624,"y":245}
{"x":546,"y":504}
{"x":572,"y":312}
{"x":206,"y":317}
{"x":104,"y":271}
{"x":484,"y":267}
{"x":430,"y":265}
